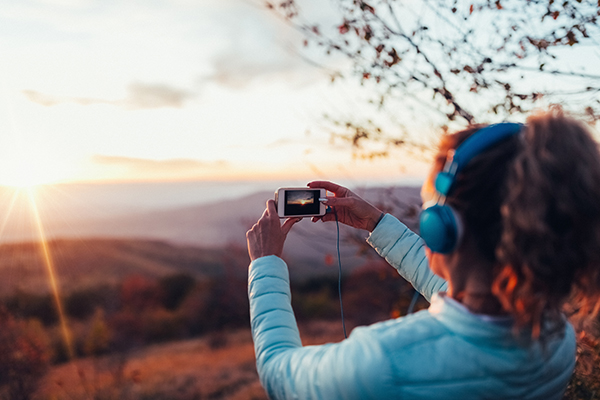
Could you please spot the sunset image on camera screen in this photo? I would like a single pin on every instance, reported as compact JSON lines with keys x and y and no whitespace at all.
{"x":301,"y":198}
{"x":301,"y":202}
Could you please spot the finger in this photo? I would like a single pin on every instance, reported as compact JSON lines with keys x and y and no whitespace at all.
{"x":332,"y":187}
{"x":287,"y":225}
{"x":264,"y":214}
{"x":271,"y":208}
{"x":328,"y":217}
{"x":340,"y":201}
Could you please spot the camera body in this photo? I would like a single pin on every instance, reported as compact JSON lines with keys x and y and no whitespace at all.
{"x":300,"y":202}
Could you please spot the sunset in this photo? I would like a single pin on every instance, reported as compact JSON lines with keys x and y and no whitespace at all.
{"x":222,"y":199}
{"x":159,"y":92}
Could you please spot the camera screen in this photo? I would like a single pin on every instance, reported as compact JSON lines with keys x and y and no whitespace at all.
{"x":302,"y":202}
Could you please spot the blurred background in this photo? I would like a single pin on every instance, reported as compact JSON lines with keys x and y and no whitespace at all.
{"x":141,"y":139}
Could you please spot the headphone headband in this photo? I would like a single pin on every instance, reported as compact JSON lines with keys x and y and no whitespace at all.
{"x":440,"y":225}
{"x":471,"y":147}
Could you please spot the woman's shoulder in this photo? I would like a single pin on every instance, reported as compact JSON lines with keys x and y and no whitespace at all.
{"x":413,"y":329}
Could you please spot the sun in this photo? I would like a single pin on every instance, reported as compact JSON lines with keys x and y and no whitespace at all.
{"x":25,"y":176}
{"x":27,"y":169}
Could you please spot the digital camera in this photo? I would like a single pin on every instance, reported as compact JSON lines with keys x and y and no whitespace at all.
{"x":300,"y":202}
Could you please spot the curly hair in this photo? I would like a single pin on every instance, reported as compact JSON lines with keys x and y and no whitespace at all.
{"x":532,"y":205}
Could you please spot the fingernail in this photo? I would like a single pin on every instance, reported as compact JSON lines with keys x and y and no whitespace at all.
{"x":323,"y":200}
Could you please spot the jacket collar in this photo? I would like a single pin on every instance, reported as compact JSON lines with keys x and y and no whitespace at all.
{"x":457,"y":318}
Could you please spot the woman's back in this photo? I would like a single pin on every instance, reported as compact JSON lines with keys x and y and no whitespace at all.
{"x":516,"y":228}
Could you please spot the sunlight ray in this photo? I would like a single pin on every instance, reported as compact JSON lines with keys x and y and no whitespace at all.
{"x":13,"y":201}
{"x":51,"y":275}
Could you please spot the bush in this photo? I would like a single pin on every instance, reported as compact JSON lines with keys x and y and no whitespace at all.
{"x":375,"y":292}
{"x":82,"y":304}
{"x":127,"y":328}
{"x":585,"y":382}
{"x":161,"y":325}
{"x":98,"y":339}
{"x":27,"y":305}
{"x":139,"y":293}
{"x":216,"y":304}
{"x":24,"y":356}
{"x":318,"y":302}
{"x":175,"y":289}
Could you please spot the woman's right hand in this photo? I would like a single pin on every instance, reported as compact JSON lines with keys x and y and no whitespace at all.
{"x":351,"y":209}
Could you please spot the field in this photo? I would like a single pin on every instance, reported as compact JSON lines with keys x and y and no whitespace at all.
{"x":216,"y":366}
{"x":152,"y":320}
{"x":167,"y":319}
{"x":87,"y":263}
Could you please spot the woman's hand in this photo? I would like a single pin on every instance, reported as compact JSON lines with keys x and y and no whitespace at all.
{"x":351,"y":209}
{"x":267,"y":236}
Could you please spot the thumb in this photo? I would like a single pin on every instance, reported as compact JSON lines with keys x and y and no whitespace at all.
{"x":287,"y":225}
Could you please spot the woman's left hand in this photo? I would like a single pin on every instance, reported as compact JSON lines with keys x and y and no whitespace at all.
{"x":268,"y":235}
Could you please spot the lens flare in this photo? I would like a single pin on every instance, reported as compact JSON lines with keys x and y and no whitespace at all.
{"x":13,"y":201}
{"x":51,"y":275}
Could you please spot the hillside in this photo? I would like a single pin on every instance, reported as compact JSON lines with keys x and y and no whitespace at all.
{"x":93,"y":262}
{"x":90,"y":251}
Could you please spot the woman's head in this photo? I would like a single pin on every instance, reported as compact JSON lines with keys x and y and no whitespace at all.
{"x":531,"y":205}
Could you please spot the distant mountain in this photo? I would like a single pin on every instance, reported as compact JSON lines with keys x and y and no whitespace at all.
{"x":311,"y":248}
{"x":93,"y":262}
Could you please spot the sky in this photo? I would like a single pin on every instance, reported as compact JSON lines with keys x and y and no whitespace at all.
{"x":172,"y":90}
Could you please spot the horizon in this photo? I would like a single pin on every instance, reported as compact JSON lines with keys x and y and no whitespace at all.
{"x":192,"y":213}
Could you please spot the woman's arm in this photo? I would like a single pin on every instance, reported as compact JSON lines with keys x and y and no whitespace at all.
{"x":405,"y":251}
{"x":356,"y":368}
{"x":402,"y":248}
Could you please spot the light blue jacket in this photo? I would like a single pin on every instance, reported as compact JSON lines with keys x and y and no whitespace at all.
{"x":445,"y":352}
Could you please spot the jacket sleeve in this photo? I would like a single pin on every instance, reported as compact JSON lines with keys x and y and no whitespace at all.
{"x":355,"y":368}
{"x":405,"y":251}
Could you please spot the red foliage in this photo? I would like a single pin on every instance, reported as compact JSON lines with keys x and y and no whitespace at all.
{"x":24,"y":355}
{"x":139,"y":293}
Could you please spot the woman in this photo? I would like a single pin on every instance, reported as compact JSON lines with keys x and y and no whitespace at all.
{"x":525,"y":218}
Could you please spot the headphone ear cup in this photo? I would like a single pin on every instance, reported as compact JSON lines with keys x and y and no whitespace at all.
{"x":441,"y":228}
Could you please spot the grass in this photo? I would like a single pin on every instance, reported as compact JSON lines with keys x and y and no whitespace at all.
{"x":190,"y":369}
{"x":219,"y":365}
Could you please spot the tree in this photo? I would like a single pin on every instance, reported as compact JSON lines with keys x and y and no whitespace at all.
{"x":459,"y":62}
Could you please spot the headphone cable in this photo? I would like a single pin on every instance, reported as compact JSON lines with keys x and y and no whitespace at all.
{"x":337,"y":224}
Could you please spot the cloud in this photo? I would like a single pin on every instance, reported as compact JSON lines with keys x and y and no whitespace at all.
{"x":41,"y":98}
{"x":142,"y":96}
{"x":257,"y":46}
{"x":141,"y":169}
{"x":139,"y":96}
{"x":148,"y":166}
{"x":237,"y":70}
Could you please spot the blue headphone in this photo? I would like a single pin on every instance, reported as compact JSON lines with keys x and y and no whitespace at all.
{"x":440,"y":225}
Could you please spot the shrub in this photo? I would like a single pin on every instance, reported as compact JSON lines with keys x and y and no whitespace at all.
{"x":585,"y":382}
{"x":139,"y":293}
{"x":82,"y":304}
{"x":323,"y":303}
{"x":375,"y":292}
{"x":24,"y":355}
{"x":27,"y":305}
{"x":98,"y":339}
{"x":216,"y":304}
{"x":175,"y":289}
{"x":161,"y":325}
{"x":127,"y":328}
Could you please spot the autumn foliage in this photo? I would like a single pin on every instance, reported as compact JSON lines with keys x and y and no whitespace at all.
{"x":450,"y":62}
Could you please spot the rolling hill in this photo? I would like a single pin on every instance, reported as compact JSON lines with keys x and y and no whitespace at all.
{"x":195,"y":239}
